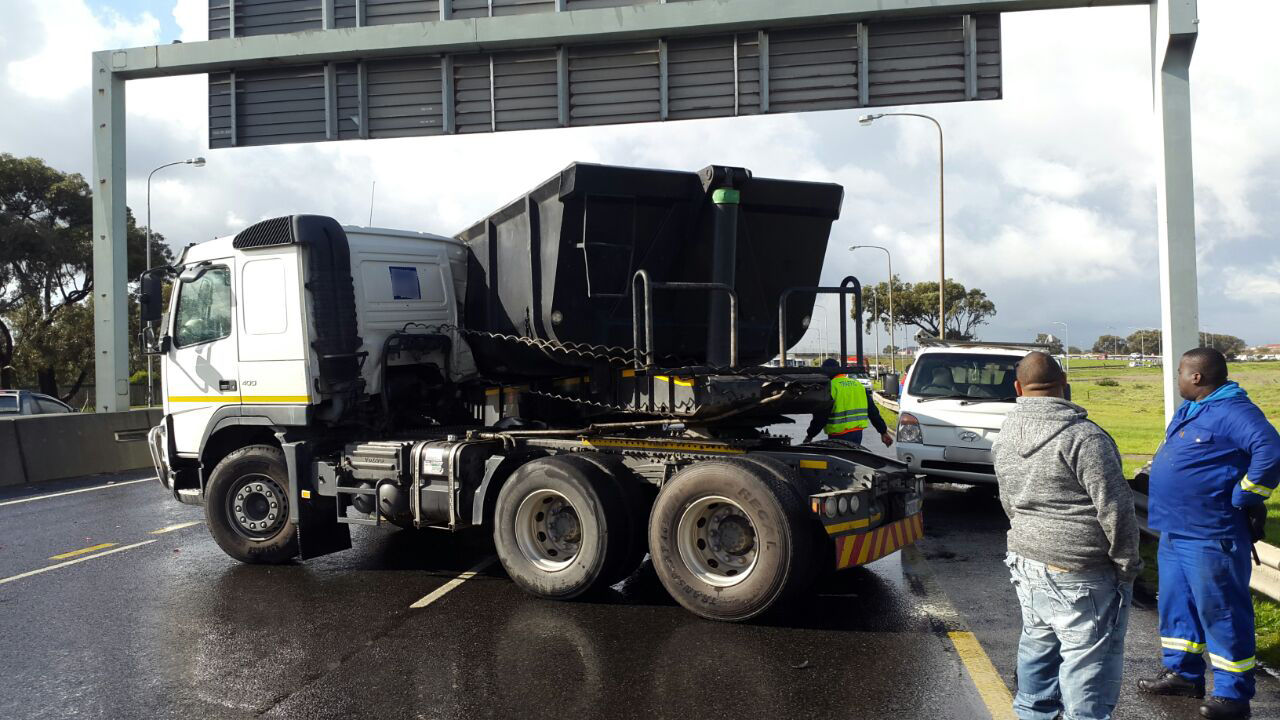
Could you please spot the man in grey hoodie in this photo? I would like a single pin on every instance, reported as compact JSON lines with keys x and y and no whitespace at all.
{"x":1073,"y":548}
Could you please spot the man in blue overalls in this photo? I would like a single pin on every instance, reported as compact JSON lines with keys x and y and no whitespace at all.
{"x":1219,"y":463}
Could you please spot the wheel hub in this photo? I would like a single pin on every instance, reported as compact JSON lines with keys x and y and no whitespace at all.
{"x":257,"y":506}
{"x":717,"y":541}
{"x":548,"y":530}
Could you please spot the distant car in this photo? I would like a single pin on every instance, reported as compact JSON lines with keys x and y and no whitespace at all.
{"x":25,"y":402}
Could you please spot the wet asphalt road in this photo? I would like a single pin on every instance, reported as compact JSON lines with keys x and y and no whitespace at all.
{"x":174,"y":628}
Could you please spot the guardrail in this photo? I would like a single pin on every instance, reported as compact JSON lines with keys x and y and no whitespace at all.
{"x":39,"y":448}
{"x":884,"y":402}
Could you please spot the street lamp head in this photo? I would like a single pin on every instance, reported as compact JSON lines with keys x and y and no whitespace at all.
{"x":868,"y":119}
{"x":198,"y":162}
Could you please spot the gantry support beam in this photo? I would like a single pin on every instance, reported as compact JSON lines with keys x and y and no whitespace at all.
{"x":1174,"y":26}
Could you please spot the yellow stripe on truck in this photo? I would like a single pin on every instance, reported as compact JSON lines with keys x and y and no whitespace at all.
{"x":247,"y":399}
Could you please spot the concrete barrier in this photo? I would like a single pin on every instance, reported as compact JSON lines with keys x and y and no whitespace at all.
{"x":53,"y":447}
{"x":11,"y":471}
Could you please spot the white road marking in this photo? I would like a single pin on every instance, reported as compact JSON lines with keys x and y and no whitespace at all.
{"x":171,"y":528}
{"x":448,"y":587}
{"x":73,"y":492}
{"x":28,"y":574}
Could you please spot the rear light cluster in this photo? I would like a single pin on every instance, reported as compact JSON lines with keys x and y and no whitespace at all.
{"x":834,"y":505}
{"x":909,"y":429}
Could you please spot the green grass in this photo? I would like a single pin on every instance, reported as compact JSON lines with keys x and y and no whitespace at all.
{"x":1267,"y":623}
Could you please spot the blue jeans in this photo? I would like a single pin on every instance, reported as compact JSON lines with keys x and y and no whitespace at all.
{"x":1071,"y":652}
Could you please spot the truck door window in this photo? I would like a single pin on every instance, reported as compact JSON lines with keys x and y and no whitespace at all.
{"x":204,"y":309}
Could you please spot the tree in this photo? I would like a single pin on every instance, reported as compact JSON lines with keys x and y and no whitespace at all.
{"x":1073,"y":350}
{"x":1146,"y":342}
{"x":917,"y":304}
{"x":46,"y":272}
{"x":1228,"y":345}
{"x":1111,"y":345}
{"x":1055,"y":345}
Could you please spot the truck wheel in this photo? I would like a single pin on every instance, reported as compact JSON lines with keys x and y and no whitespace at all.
{"x":560,"y":527}
{"x":247,"y":506}
{"x":637,"y":497}
{"x":729,"y":540}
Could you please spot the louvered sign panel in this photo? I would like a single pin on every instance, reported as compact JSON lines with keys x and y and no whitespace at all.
{"x":828,"y":67}
{"x":405,"y":97}
{"x":611,"y":84}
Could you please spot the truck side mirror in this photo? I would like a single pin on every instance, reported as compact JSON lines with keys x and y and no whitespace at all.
{"x":151,"y":301}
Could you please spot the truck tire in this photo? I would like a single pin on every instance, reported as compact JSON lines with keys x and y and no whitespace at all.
{"x":821,"y":558}
{"x":637,"y":497}
{"x":729,"y":540}
{"x":560,"y":527}
{"x":247,"y":506}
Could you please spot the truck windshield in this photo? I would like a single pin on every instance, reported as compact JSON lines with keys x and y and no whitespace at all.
{"x":8,"y":404}
{"x":964,"y":376}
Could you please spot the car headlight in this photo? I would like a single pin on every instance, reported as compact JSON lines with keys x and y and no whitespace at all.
{"x":909,"y":429}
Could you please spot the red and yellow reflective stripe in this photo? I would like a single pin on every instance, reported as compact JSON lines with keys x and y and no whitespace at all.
{"x":862,"y":548}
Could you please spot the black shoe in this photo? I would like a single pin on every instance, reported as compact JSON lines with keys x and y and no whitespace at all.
{"x":1220,"y":708}
{"x":1171,"y":683}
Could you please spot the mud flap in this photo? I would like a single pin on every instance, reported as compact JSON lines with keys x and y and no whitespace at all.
{"x":315,"y":516}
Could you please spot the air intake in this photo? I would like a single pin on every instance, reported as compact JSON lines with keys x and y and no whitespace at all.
{"x":268,"y":233}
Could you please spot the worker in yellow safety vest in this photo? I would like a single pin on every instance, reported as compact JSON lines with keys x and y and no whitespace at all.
{"x":850,"y":412}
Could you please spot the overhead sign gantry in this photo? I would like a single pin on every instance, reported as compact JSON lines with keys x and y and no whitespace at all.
{"x":286,"y":71}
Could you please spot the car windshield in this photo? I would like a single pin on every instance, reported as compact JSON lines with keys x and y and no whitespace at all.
{"x":8,"y":404}
{"x":964,"y":377}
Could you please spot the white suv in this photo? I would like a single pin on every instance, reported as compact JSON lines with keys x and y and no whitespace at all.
{"x":954,"y":399}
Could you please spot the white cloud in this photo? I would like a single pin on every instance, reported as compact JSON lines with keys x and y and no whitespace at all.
{"x":1053,"y":241}
{"x":70,"y":31}
{"x":1256,"y":288}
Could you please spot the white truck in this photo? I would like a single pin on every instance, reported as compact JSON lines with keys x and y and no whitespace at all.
{"x":559,"y":374}
{"x":953,"y":402}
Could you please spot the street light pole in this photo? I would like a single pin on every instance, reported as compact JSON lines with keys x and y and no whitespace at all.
{"x":893,"y":359}
{"x":942,"y":214}
{"x":1142,"y":341}
{"x":1066,"y":342}
{"x":197,"y":162}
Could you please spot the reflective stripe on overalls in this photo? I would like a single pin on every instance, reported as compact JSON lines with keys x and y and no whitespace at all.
{"x":848,"y":406}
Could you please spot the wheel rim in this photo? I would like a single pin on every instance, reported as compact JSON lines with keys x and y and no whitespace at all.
{"x":256,"y":506}
{"x":717,"y":541}
{"x":548,"y":530}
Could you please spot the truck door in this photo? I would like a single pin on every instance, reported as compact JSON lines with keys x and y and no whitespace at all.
{"x":201,"y":368}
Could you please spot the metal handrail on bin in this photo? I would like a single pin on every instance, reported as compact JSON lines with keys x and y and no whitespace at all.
{"x":641,"y":280}
{"x":849,"y":285}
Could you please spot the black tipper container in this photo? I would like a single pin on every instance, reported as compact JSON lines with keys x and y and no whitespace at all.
{"x":558,"y":263}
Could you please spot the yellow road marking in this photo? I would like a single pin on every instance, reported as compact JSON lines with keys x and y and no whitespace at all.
{"x":82,"y":551}
{"x":73,"y":492}
{"x":46,"y":569}
{"x":989,"y":683}
{"x":990,"y":686}
{"x":452,"y":585}
{"x":171,"y":528}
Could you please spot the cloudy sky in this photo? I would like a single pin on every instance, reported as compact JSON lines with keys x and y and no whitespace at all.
{"x":1050,"y":191}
